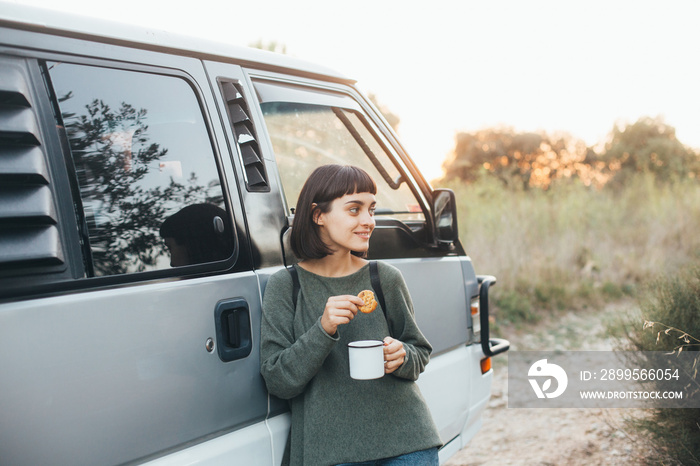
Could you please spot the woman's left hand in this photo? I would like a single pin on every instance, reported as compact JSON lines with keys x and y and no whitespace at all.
{"x":394,"y":354}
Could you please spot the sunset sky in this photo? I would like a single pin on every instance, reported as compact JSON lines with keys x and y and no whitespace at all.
{"x":448,"y":66}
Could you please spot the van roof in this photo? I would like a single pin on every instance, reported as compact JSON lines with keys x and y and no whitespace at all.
{"x":55,"y":22}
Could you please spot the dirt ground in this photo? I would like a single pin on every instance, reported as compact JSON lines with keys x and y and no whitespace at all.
{"x":572,"y":436}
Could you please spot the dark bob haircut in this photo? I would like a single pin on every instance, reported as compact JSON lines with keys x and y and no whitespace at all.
{"x":325,"y":184}
{"x":201,"y":229}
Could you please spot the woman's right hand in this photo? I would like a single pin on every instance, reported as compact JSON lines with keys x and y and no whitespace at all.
{"x":339,"y":310}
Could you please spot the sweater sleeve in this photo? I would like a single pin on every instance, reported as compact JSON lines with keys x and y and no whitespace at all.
{"x":403,"y":324}
{"x":288,"y":363}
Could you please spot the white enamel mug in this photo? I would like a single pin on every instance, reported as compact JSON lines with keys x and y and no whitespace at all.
{"x":366,"y":359}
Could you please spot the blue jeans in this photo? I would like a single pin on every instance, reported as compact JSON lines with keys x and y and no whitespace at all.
{"x":427,"y":457}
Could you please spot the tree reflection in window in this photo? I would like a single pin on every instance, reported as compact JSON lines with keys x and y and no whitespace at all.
{"x":132,"y":178}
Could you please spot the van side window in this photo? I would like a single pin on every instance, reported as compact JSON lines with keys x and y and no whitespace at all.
{"x":145,"y":168}
{"x":309,"y":129}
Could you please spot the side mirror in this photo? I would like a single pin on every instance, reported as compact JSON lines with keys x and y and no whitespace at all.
{"x":445,"y":217}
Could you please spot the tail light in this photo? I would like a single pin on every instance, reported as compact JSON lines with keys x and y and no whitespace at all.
{"x":485,"y":365}
{"x":476,"y":318}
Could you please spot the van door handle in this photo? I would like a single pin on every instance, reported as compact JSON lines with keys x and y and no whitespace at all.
{"x":233,"y":332}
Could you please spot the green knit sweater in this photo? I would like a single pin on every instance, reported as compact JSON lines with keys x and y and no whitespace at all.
{"x":336,"y":419}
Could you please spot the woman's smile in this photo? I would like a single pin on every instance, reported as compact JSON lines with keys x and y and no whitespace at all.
{"x":348,"y":225}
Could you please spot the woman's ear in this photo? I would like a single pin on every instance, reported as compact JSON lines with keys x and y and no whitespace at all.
{"x":316,"y":214}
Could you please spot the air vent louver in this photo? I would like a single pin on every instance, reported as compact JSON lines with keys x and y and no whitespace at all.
{"x":29,"y":234}
{"x":256,"y":176}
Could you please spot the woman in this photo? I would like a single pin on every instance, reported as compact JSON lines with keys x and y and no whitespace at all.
{"x":197,"y":234}
{"x":336,"y":419}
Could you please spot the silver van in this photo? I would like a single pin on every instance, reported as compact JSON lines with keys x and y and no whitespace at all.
{"x":147,"y":187}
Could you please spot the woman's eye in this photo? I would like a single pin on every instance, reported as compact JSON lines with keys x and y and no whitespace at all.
{"x":371,"y":211}
{"x":354,"y":210}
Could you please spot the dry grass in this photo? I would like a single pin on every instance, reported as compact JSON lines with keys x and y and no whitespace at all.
{"x":575,"y":246}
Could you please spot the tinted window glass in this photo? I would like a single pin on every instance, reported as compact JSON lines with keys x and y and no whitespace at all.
{"x":149,"y":184}
{"x":305,"y":136}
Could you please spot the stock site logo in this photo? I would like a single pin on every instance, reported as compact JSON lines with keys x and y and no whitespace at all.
{"x":542,"y":369}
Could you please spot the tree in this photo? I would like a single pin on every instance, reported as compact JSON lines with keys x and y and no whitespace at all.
{"x":522,"y":160}
{"x":271,"y":46}
{"x":649,"y":146}
{"x":112,"y":155}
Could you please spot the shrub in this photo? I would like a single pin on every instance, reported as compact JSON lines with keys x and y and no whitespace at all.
{"x":670,"y":308}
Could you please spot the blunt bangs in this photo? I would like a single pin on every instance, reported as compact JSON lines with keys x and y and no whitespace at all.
{"x":342,"y":180}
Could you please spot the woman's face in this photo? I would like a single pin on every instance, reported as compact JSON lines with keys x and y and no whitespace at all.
{"x":178,"y":253}
{"x":348,"y":225}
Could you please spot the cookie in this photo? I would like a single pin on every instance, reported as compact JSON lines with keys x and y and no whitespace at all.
{"x":370,"y":303}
